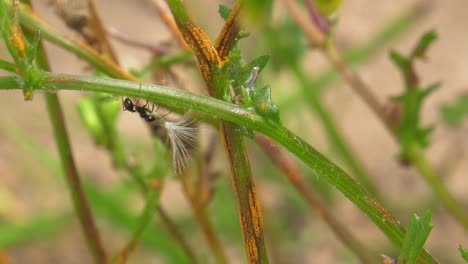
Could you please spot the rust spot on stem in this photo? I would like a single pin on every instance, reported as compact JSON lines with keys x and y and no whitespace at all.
{"x":252,"y":250}
{"x":384,"y":212}
{"x":229,"y":33}
{"x":257,"y":218}
{"x":17,"y":39}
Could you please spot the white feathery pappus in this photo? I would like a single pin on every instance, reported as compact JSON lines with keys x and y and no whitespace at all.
{"x":181,"y":134}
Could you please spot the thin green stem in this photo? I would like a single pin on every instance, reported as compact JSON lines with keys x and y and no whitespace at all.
{"x":75,"y":185}
{"x":165,"y":61}
{"x":298,"y":180}
{"x":230,"y":112}
{"x":335,"y":138}
{"x":417,"y":157}
{"x":361,"y":88}
{"x":176,"y":234}
{"x":7,"y":66}
{"x":32,"y":21}
{"x":152,"y":199}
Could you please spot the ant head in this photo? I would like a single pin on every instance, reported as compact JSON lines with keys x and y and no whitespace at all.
{"x":128,"y":105}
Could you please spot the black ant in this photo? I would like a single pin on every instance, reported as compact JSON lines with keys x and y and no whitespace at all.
{"x":144,"y":112}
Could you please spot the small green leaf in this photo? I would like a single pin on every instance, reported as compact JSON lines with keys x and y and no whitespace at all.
{"x":259,"y":62}
{"x":38,"y":227}
{"x":454,"y":113}
{"x":264,"y":105}
{"x":286,"y":43}
{"x":258,"y":13}
{"x":91,"y":120}
{"x":400,"y":61}
{"x":425,"y":41}
{"x":416,"y":236}
{"x":327,"y":7}
{"x":224,"y":11}
{"x":464,"y":253}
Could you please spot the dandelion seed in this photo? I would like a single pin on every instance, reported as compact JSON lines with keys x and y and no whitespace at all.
{"x":182,"y":137}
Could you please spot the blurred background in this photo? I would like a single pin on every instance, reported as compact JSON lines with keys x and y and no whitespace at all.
{"x":37,"y":224}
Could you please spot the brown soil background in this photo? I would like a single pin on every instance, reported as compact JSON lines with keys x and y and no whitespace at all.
{"x":29,"y":187}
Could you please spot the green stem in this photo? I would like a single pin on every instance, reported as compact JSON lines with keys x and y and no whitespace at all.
{"x":7,"y":66}
{"x":75,"y":185}
{"x":416,"y":155}
{"x":165,"y":61}
{"x":31,"y":21}
{"x":152,"y":199}
{"x":230,"y":112}
{"x":335,"y":138}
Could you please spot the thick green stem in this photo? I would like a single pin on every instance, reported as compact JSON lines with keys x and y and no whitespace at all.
{"x":416,"y":155}
{"x":230,"y":112}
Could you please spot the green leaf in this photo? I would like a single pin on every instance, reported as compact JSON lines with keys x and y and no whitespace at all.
{"x":286,"y":43}
{"x":409,"y":130}
{"x":425,"y":41}
{"x":258,"y":13}
{"x":416,"y":236}
{"x":454,"y":113}
{"x":400,"y":61}
{"x":224,"y":11}
{"x":91,"y":120}
{"x":22,"y":52}
{"x":327,"y":7}
{"x":264,"y":105}
{"x":37,"y":227}
{"x":464,"y":253}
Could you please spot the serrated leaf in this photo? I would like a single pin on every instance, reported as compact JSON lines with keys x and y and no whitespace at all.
{"x":416,"y":236}
{"x":464,"y":253}
{"x":409,"y":129}
{"x":264,"y":105}
{"x":224,"y":11}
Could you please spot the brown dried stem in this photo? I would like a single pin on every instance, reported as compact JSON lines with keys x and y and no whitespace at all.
{"x":199,"y":210}
{"x":80,"y":201}
{"x":176,"y":234}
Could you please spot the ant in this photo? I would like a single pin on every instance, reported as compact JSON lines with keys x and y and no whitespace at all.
{"x":144,"y":112}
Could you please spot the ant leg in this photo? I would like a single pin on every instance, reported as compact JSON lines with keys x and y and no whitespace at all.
{"x":138,"y":100}
{"x":166,"y":114}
